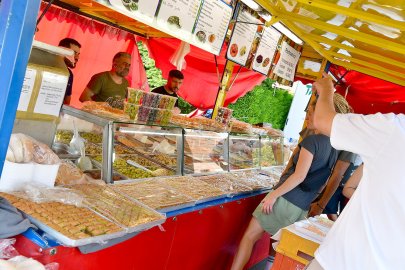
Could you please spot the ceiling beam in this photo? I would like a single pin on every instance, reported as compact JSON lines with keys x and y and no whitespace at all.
{"x":374,"y":56}
{"x":355,"y":13}
{"x":372,"y":72}
{"x":368,"y":64}
{"x":366,"y":38}
{"x":319,"y":48}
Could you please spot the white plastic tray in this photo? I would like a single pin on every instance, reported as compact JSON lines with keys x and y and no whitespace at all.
{"x":66,"y":241}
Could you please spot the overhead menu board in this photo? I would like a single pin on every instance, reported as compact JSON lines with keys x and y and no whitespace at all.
{"x":178,"y":17}
{"x":141,"y":10}
{"x":285,"y":67}
{"x":266,"y":50}
{"x":203,"y":23}
{"x":243,"y":36}
{"x":212,"y":25}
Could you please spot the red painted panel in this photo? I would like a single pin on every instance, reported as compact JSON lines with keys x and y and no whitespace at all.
{"x":205,"y":239}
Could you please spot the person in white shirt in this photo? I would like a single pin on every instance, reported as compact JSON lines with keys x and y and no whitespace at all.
{"x":370,"y":232}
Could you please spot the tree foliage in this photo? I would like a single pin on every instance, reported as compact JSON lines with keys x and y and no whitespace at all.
{"x":155,"y":78}
{"x":264,"y":104}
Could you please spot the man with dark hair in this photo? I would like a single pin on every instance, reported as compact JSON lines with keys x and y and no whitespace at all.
{"x":109,"y":83}
{"x":70,"y":62}
{"x":172,"y":86}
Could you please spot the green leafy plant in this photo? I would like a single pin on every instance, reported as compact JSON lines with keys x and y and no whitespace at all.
{"x":155,"y":78}
{"x":264,"y":104}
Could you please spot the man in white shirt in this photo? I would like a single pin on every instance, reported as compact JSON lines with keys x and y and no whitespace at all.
{"x":370,"y":232}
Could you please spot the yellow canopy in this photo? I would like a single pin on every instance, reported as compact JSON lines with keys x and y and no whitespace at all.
{"x":366,"y":36}
{"x":363,"y":35}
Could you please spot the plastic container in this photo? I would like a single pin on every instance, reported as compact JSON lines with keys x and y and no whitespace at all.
{"x":167,"y":102}
{"x":163,"y":117}
{"x":152,"y":116}
{"x":131,"y":110}
{"x":135,"y":96}
{"x":150,"y":99}
{"x":143,"y":114}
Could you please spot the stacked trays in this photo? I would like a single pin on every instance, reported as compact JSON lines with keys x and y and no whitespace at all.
{"x":71,"y":225}
{"x":198,"y":190}
{"x":156,"y":196}
{"x":225,"y":183}
{"x":253,"y":179}
{"x":126,"y":212}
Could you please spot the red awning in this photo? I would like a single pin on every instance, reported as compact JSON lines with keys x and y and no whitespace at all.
{"x":369,"y":95}
{"x":201,"y":83}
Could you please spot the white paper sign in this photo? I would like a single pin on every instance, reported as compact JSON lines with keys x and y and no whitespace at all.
{"x":51,"y":94}
{"x":242,"y":37}
{"x":178,"y":17}
{"x":212,"y":25}
{"x":266,"y":50}
{"x":287,"y":64}
{"x":142,"y":10}
{"x":26,"y":90}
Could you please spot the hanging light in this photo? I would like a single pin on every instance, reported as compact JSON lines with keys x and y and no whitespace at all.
{"x":288,"y":33}
{"x":252,"y":4}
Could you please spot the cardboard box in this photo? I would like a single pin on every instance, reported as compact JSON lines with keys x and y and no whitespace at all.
{"x":16,"y":175}
{"x":296,"y":247}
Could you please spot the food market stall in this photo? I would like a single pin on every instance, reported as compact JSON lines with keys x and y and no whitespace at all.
{"x":229,"y":200}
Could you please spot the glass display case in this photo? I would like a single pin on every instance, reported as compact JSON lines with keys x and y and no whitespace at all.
{"x":244,"y":152}
{"x":120,"y":150}
{"x":272,"y":152}
{"x":205,"y":152}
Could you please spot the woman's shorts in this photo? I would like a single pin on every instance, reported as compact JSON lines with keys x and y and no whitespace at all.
{"x":284,"y":213}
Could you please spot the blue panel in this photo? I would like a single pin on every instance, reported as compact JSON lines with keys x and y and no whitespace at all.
{"x":17,"y":28}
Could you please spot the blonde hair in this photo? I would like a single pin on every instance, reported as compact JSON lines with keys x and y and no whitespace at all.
{"x":340,"y":103}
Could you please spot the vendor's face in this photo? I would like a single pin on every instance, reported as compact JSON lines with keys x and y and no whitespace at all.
{"x":72,"y":61}
{"x":121,"y":66}
{"x":310,"y":117}
{"x":174,"y":84}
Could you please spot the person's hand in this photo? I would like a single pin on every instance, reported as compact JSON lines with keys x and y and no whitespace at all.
{"x":323,"y":85}
{"x":268,"y":202}
{"x":315,"y":210}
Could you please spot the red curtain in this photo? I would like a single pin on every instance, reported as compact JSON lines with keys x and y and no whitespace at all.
{"x":100,"y":42}
{"x":200,"y":86}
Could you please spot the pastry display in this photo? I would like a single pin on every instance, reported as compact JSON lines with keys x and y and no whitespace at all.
{"x":103,"y":109}
{"x":240,"y":127}
{"x":153,"y":194}
{"x":192,"y":187}
{"x":65,"y":136}
{"x":253,"y":179}
{"x":69,"y":220}
{"x":69,"y":174}
{"x":121,"y":166}
{"x":224,"y":183}
{"x":122,"y":210}
{"x":197,"y":123}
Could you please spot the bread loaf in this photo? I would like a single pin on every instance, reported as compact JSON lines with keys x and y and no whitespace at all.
{"x":16,"y":147}
{"x":69,"y":174}
{"x":42,"y":154}
{"x":10,"y":155}
{"x":28,"y":146}
{"x":24,"y":149}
